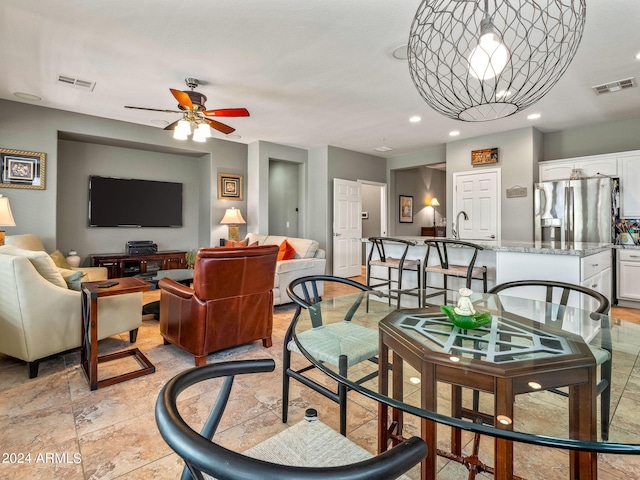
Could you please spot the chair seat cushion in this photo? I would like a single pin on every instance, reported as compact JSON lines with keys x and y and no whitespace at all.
{"x":457,"y":270}
{"x":395,"y":263}
{"x":328,"y":342}
{"x":310,"y":444}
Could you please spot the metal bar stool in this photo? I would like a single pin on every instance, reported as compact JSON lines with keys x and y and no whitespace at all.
{"x":469,"y":272}
{"x":399,"y":263}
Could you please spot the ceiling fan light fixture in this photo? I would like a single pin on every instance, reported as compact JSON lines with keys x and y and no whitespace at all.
{"x":203,"y":129}
{"x":199,"y":135}
{"x":178,"y":135}
{"x":183,"y":128}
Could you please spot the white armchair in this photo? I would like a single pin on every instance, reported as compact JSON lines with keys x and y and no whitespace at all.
{"x":39,"y":319}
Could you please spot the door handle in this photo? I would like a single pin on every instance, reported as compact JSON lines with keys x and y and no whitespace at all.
{"x":337,"y":234}
{"x":492,"y":236}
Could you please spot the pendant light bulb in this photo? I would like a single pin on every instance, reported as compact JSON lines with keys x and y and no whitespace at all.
{"x":490,"y":56}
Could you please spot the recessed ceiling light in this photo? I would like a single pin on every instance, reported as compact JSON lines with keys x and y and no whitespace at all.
{"x":400,"y":52}
{"x":503,"y":93}
{"x":383,"y":148}
{"x":638,"y":56}
{"x":454,"y":133}
{"x":160,"y":122}
{"x":415,"y":119}
{"x":27,"y":96}
{"x":234,"y":136}
{"x":534,"y":116}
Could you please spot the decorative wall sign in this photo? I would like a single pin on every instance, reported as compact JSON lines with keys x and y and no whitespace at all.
{"x":516,"y":191}
{"x":406,"y":209}
{"x":481,"y":157}
{"x":21,"y":169}
{"x":229,"y":186}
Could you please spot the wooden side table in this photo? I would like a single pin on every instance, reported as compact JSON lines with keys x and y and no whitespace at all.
{"x":91,"y":292}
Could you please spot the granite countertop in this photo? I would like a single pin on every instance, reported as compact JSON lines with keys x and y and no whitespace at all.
{"x":581,"y":249}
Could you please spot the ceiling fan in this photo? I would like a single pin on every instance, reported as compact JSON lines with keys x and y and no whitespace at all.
{"x":191,"y":105}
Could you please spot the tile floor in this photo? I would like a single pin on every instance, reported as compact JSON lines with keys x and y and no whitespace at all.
{"x":72,"y":433}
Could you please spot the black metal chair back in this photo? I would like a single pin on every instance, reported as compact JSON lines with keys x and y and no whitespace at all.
{"x":202,"y":455}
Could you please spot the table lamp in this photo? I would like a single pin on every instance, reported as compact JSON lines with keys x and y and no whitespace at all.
{"x":232,"y":218}
{"x":434,"y":203}
{"x":6,"y":217}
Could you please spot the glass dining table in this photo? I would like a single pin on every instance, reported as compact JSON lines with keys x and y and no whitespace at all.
{"x":532,"y":350}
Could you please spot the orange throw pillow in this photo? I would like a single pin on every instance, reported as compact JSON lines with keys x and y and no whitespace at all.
{"x":286,"y":251}
{"x":232,"y":243}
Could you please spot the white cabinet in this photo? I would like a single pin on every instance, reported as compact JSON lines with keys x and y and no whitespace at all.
{"x":629,"y":275}
{"x":589,"y":167}
{"x":629,"y":181}
{"x":555,"y":170}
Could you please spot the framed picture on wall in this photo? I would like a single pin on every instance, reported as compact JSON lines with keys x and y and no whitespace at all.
{"x":406,"y":209}
{"x":229,"y":186}
{"x":22,"y":169}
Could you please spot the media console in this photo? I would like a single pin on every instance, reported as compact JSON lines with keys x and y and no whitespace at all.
{"x":127,"y":265}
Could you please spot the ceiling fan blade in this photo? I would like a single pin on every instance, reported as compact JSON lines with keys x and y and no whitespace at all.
{"x":183,"y":99}
{"x":228,"y":112}
{"x":221,"y":127}
{"x":171,"y":126}
{"x":154,"y":109}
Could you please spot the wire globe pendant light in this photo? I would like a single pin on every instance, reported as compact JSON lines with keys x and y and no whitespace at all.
{"x":480,"y":60}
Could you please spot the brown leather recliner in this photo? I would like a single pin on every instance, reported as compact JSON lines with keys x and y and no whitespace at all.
{"x":231,"y":302}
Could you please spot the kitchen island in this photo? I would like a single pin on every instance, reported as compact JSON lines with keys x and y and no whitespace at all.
{"x":587,"y":264}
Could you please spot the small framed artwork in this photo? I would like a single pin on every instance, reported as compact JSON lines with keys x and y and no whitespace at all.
{"x":481,"y":157}
{"x":22,"y":169}
{"x":229,"y":186}
{"x":406,"y":209}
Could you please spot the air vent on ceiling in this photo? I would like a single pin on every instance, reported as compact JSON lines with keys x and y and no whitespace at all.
{"x":615,"y":86}
{"x":76,"y":82}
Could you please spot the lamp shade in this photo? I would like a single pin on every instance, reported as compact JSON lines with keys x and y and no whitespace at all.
{"x":434,"y":202}
{"x":6,"y":217}
{"x":232,"y":217}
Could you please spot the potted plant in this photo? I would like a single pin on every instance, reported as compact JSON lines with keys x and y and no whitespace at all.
{"x":191,"y":258}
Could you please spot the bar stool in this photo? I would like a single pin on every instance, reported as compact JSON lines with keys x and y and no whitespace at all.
{"x":398,"y":262}
{"x":469,"y":272}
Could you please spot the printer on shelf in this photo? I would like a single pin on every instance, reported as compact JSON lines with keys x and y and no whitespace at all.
{"x":141,"y":247}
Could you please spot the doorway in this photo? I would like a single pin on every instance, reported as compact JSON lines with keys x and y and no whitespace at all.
{"x":284,"y":203}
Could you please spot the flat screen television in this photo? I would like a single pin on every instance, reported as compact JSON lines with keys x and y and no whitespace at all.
{"x":127,"y":202}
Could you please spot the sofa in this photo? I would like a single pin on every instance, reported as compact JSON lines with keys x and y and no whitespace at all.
{"x":309,"y":259}
{"x":231,"y":302}
{"x":40,"y":312}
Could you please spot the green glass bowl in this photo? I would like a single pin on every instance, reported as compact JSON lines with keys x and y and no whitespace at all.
{"x":466,"y":322}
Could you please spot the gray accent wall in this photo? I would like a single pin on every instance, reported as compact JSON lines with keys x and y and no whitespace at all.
{"x":595,"y":139}
{"x":44,"y":212}
{"x":423,"y":184}
{"x":516,"y":149}
{"x":283,"y":198}
{"x":78,"y":160}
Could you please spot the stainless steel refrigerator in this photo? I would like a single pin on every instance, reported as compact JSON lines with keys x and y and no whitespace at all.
{"x":583,"y":210}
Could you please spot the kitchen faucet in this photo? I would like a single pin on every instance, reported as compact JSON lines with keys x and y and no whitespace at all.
{"x":457,"y":224}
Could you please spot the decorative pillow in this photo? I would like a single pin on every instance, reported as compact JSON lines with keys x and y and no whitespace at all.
{"x":233,"y":243}
{"x":74,"y":278}
{"x":60,"y":260}
{"x":40,"y":260}
{"x":286,"y":252}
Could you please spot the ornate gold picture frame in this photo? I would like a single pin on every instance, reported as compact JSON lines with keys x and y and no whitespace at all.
{"x":229,"y":186}
{"x":22,"y":169}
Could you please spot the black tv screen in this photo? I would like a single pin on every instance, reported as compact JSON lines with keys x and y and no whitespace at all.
{"x":122,"y":202}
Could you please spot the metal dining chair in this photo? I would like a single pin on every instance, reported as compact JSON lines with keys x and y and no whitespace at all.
{"x":559,"y":293}
{"x":359,"y":343}
{"x":378,"y":258}
{"x":308,"y":450}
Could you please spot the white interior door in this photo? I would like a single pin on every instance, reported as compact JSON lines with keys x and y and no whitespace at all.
{"x":477,"y":194}
{"x":347,"y":228}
